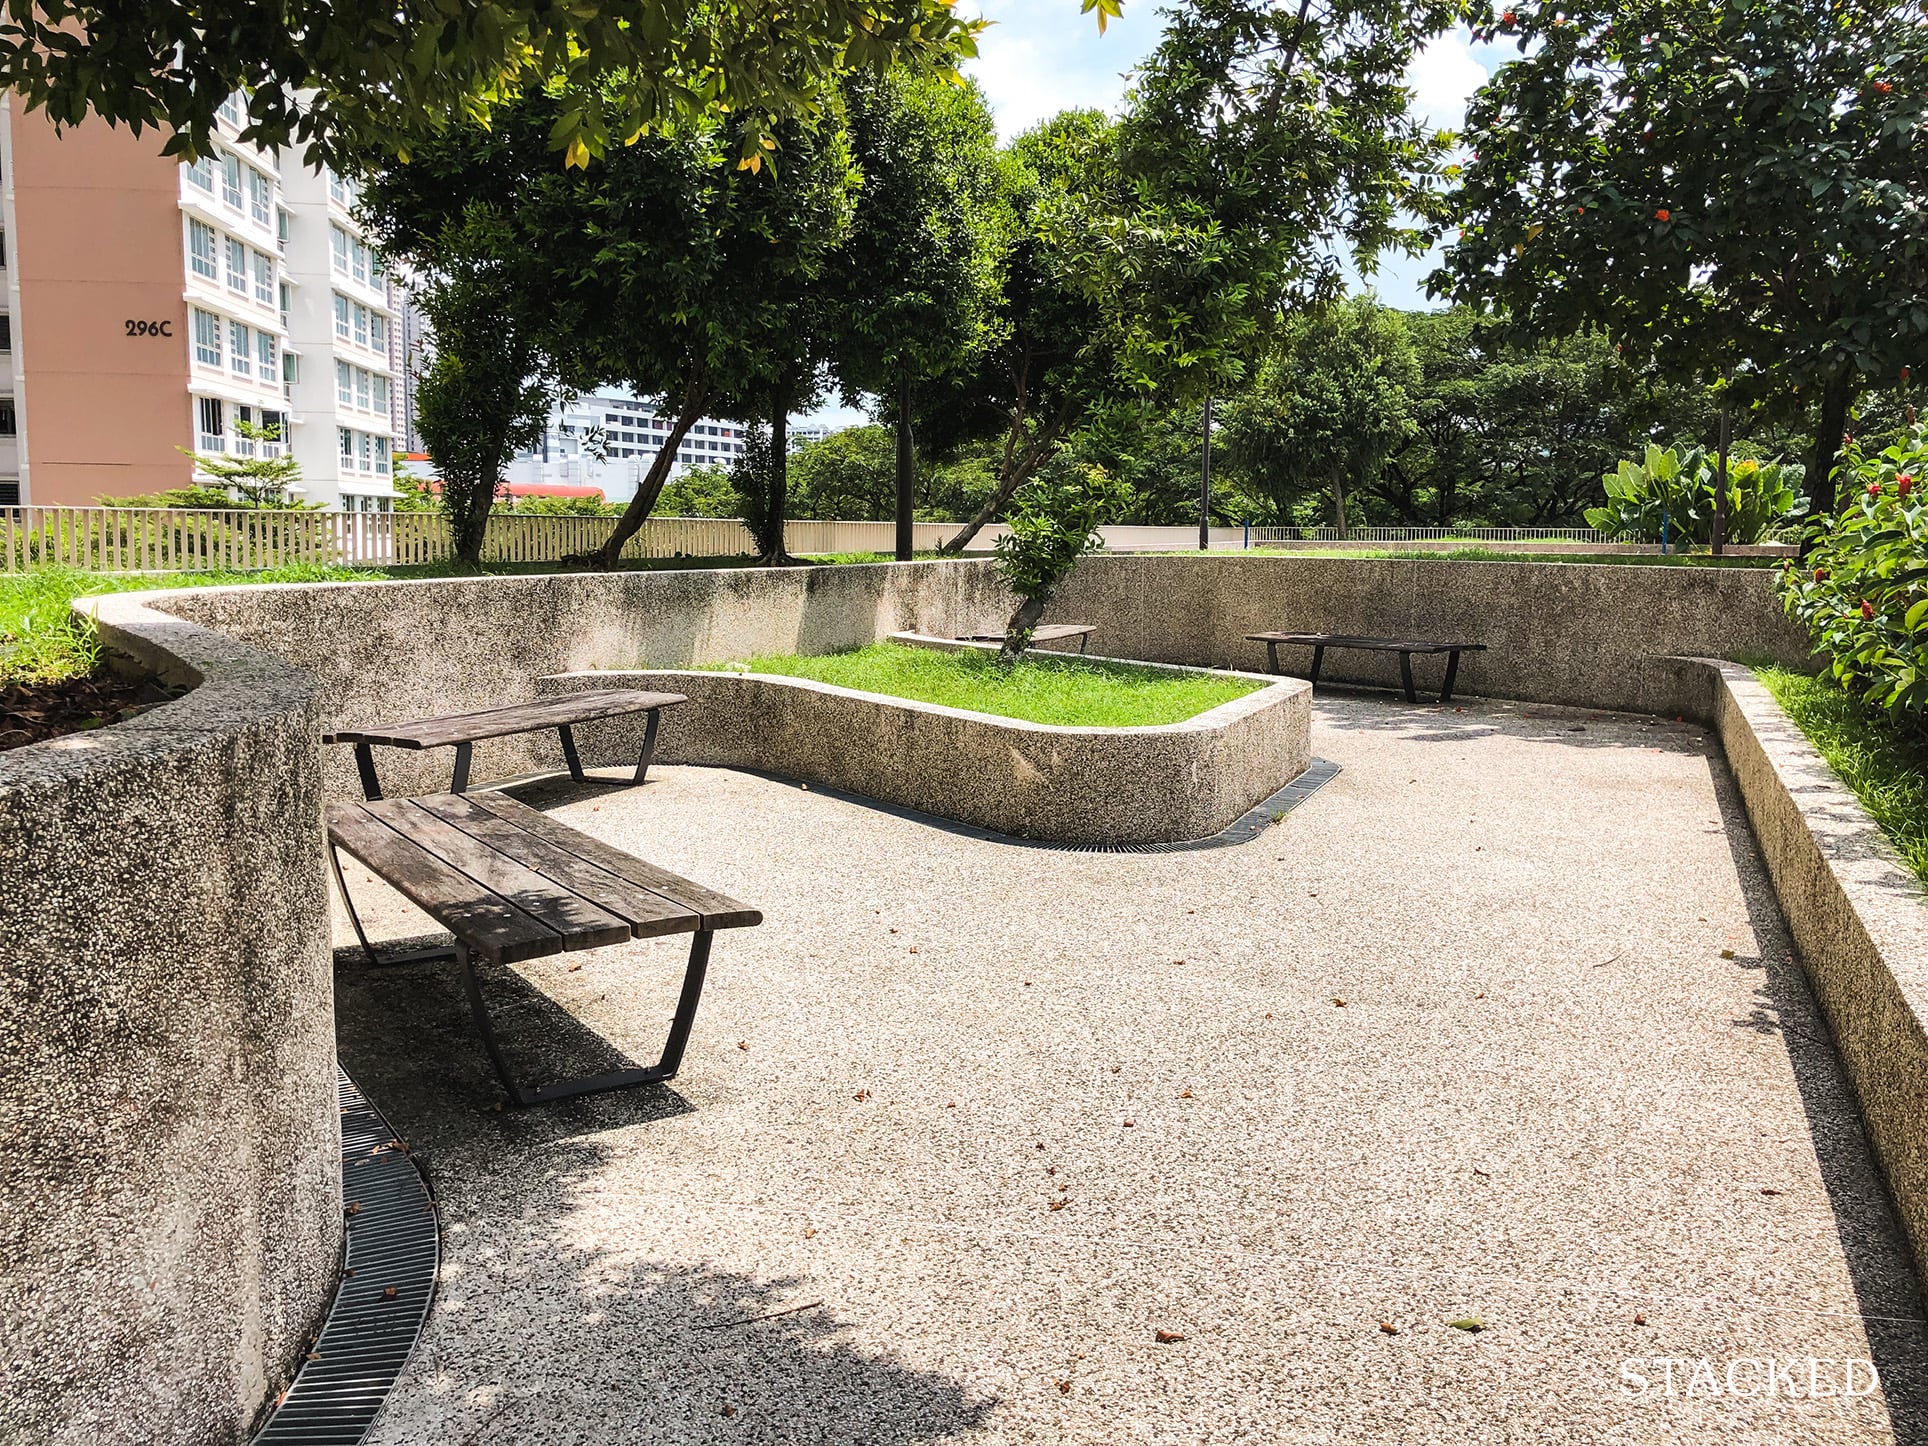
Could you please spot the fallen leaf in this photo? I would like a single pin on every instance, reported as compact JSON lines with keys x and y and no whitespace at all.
{"x":388,"y":1292}
{"x":1186,"y":1093}
{"x":1340,"y":1003}
{"x":1178,"y":961}
{"x":1166,"y":1338}
{"x":1469,"y":1325}
{"x":729,"y":1410}
{"x":574,"y":967}
{"x":809,"y":1231}
{"x":1064,"y":1388}
{"x":1388,"y":1327}
{"x":913,"y":948}
{"x":951,"y":1106}
{"x":1130,"y":1123}
{"x":1060,"y":1204}
{"x":861,"y":1095}
{"x":1481,"y":1173}
{"x":743,"y":1044}
{"x":1640,"y":1320}
{"x":354,"y":1207}
{"x":1765,"y":1190}
{"x":1115,"y":1068}
{"x":1727,"y":953}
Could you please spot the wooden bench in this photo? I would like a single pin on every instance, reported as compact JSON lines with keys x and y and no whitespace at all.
{"x":1048,"y":633}
{"x":463,"y":731}
{"x":512,"y":884}
{"x":1405,"y":647}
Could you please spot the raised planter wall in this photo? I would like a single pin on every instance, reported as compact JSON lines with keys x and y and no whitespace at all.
{"x":1556,"y":632}
{"x":170,"y":1186}
{"x":1158,"y":784}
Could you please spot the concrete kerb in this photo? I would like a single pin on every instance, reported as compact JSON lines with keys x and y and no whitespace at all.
{"x":1857,"y":914}
{"x":1154,"y":784}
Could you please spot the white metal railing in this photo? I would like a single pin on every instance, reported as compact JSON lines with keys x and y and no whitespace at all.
{"x":1271,"y":536}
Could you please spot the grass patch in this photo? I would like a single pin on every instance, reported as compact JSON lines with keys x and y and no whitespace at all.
{"x":1073,"y":693}
{"x":1883,"y":768}
{"x":42,"y":641}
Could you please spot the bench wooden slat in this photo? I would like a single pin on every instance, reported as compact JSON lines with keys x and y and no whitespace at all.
{"x":648,"y":914}
{"x":578,"y":921}
{"x":1382,"y":645}
{"x":718,"y":911}
{"x":532,"y":717}
{"x":488,"y":924}
{"x":1044,"y":633}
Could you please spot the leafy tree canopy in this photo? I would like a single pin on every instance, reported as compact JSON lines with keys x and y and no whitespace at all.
{"x":354,"y":78}
{"x":1729,"y":189}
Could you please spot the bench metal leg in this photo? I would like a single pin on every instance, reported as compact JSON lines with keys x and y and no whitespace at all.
{"x":1272,"y":658}
{"x":413,"y":956}
{"x":1452,"y":675}
{"x":371,"y":786}
{"x":664,"y":1069}
{"x":1318,"y":660}
{"x":463,"y":753}
{"x":653,"y":721}
{"x":1406,"y":676}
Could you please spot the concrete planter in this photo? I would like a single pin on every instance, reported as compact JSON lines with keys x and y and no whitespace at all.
{"x":1158,"y":784}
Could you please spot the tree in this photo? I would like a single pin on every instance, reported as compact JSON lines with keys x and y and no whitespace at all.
{"x":703,"y":491}
{"x":480,"y":399}
{"x":263,"y":478}
{"x":920,"y":268}
{"x":1053,"y":524}
{"x":1327,"y":410}
{"x":851,"y":473}
{"x":1731,"y":191}
{"x":663,"y":266}
{"x":358,"y":79}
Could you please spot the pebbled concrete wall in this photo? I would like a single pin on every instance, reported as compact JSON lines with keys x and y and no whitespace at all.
{"x":1858,"y":916}
{"x":1070,"y":785}
{"x":1593,"y":635}
{"x":170,"y":1194}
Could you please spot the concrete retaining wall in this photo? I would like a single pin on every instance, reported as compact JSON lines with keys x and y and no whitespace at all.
{"x":170,"y":1186}
{"x":1565,"y":632}
{"x":1073,"y":785}
{"x":1858,"y":916}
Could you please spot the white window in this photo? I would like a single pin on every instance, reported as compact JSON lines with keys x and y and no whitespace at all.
{"x":201,"y":250}
{"x":264,"y":290}
{"x":374,"y":267}
{"x":237,"y":266}
{"x":243,"y":443}
{"x":260,"y":197}
{"x":361,"y":388}
{"x":284,"y":303}
{"x":290,"y":370}
{"x":361,"y":325}
{"x":378,"y":331}
{"x":239,"y":353}
{"x":213,"y":437}
{"x":282,"y":221}
{"x":338,"y":250}
{"x":275,"y":423}
{"x":231,"y":179}
{"x":341,"y":316}
{"x":359,"y":255}
{"x":347,"y":446}
{"x":207,"y":338}
{"x":344,"y":383}
{"x":337,"y":191}
{"x":266,"y":358}
{"x":381,"y":394}
{"x":231,"y":111}
{"x":200,"y":174}
{"x":364,"y":447}
{"x":381,"y":455}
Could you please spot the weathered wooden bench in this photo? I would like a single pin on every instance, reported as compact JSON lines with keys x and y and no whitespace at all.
{"x":513,"y":884}
{"x":463,"y":731}
{"x":1047,"y":633}
{"x":1405,"y":647}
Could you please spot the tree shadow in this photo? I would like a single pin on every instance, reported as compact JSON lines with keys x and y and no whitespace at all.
{"x":1465,"y":721}
{"x":1873,"y":1245}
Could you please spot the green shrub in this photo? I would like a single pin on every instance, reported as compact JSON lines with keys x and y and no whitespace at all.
{"x":1681,"y":487}
{"x":1053,"y":521}
{"x":1862,"y":589}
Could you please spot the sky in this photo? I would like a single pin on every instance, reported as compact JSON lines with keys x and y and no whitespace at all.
{"x":1042,"y":56}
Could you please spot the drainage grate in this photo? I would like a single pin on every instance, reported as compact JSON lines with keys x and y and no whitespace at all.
{"x":388,"y":1279}
{"x":1243,"y":829}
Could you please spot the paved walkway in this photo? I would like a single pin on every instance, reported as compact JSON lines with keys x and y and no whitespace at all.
{"x":1500,"y":1026}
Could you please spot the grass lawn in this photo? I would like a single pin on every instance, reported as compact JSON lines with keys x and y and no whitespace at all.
{"x":1886,"y":771}
{"x":1074,"y":693}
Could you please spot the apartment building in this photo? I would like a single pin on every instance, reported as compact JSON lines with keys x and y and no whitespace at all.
{"x":629,"y":433}
{"x":156,"y":309}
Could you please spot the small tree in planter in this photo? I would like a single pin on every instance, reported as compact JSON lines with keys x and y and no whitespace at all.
{"x":1053,"y":522}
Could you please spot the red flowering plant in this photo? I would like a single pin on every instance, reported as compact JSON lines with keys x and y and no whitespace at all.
{"x":1863,"y":594}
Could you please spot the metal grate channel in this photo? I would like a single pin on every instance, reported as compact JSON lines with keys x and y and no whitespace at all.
{"x":1243,"y":829}
{"x":394,"y":1246}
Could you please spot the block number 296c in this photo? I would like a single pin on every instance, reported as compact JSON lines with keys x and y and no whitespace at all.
{"x":150,"y":328}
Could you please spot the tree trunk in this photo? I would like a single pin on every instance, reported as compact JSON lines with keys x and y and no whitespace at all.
{"x":774,"y":551}
{"x":1837,"y":398}
{"x":644,"y":502}
{"x":467,"y":505}
{"x":1339,"y":502}
{"x":1017,"y":632}
{"x":1205,"y":482}
{"x":906,"y":471}
{"x":1018,"y":470}
{"x":1719,"y":538}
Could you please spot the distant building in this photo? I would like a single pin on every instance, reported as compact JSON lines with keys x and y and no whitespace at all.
{"x":628,"y":433}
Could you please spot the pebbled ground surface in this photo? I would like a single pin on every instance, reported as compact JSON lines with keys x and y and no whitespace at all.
{"x":1459,"y":1041}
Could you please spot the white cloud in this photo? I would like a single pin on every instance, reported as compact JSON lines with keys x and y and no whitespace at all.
{"x":1042,"y":56}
